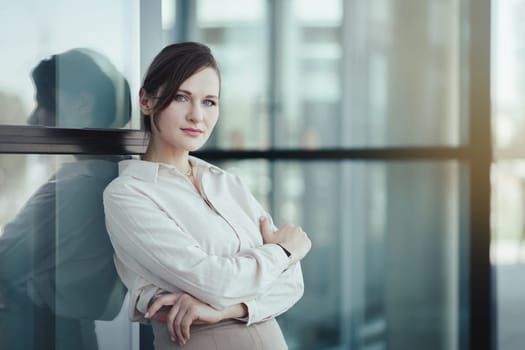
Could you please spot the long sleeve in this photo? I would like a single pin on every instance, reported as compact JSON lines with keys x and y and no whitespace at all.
{"x":285,"y":291}
{"x":153,"y":244}
{"x":278,"y":298}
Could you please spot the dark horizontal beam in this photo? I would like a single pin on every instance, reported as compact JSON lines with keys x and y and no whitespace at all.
{"x":392,"y":153}
{"x":43,"y":140}
{"x":39,"y":140}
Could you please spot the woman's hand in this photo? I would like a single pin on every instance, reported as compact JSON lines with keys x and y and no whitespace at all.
{"x":185,"y":311}
{"x":291,"y":237}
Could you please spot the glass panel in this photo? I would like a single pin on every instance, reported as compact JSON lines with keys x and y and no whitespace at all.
{"x":508,"y":87}
{"x":58,"y":284}
{"x":69,"y":64}
{"x":371,"y":77}
{"x":344,"y":74}
{"x":386,"y":268}
{"x":406,"y":74}
{"x":310,"y":58}
{"x":237,"y":33}
{"x":508,"y":171}
{"x":508,"y":250}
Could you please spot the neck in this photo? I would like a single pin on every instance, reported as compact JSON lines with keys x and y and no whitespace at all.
{"x":173,"y":157}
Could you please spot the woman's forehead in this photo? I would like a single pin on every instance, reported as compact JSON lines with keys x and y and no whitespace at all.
{"x":203,"y":82}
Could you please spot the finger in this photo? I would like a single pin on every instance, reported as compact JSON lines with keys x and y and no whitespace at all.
{"x":187,"y":321}
{"x":179,"y":321}
{"x":165,"y":300}
{"x":177,"y":326}
{"x":171,"y":320}
{"x":265,"y":226}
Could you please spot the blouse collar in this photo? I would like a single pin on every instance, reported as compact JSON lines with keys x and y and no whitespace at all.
{"x":149,"y":171}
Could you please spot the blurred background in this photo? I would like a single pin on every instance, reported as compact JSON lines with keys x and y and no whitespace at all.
{"x":368,"y":123}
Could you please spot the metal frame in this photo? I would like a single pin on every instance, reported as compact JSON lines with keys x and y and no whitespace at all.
{"x":41,"y":140}
{"x":481,"y":319}
{"x":35,"y":140}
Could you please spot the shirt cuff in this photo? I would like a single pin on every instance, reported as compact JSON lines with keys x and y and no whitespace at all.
{"x":147,"y":293}
{"x":282,"y":261}
{"x":253,"y":312}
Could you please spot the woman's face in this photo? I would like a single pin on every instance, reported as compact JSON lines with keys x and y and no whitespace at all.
{"x":187,"y":122}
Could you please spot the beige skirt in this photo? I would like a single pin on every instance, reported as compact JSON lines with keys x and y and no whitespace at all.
{"x":226,"y":335}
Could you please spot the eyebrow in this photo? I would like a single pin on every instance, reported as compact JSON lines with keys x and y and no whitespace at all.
{"x":189,"y":93}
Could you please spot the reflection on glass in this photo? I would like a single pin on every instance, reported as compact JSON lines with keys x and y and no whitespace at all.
{"x":40,"y":29}
{"x":80,"y":88}
{"x":56,"y":261}
{"x":385,"y":268}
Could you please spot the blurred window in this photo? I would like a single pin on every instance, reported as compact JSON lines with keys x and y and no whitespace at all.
{"x":508,"y":171}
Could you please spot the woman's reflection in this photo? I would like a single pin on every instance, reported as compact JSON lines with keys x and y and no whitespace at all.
{"x":56,"y":262}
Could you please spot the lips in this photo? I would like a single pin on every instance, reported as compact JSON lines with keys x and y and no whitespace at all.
{"x":192,"y":132}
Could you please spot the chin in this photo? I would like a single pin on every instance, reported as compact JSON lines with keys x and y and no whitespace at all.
{"x":193,"y":148}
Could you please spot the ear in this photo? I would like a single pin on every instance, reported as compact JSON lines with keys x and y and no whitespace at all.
{"x":146,"y":102}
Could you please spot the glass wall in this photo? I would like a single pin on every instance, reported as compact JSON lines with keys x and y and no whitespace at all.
{"x":390,"y":266}
{"x":386,"y":269}
{"x":69,"y":65}
{"x":305,"y":66}
{"x":58,"y":285}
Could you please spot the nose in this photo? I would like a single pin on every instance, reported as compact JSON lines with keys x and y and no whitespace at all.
{"x":196,"y":113}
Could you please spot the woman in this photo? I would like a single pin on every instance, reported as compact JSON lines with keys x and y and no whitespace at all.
{"x":188,"y":235}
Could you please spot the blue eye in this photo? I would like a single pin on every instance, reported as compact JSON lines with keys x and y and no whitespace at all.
{"x":209,"y":103}
{"x":180,"y":98}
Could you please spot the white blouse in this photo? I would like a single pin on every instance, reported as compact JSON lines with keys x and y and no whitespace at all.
{"x":169,"y":237}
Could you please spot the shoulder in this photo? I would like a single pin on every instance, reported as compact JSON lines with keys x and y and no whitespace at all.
{"x":117,"y":184}
{"x":133,"y":172}
{"x":122,"y":186}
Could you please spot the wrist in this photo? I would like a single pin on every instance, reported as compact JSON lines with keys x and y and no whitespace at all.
{"x":234,"y":311}
{"x":286,"y":251}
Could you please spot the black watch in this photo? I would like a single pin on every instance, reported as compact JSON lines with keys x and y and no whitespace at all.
{"x":288,"y":254}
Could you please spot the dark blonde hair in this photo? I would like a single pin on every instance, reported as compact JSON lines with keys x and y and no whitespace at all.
{"x":170,"y":68}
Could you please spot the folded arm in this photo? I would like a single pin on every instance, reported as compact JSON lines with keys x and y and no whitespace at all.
{"x":278,"y":298}
{"x":144,"y":235}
